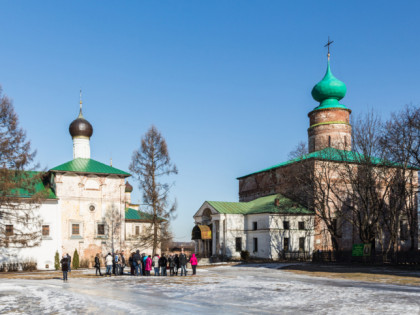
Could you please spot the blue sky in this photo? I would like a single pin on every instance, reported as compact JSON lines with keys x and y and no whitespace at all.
{"x":226,"y":82}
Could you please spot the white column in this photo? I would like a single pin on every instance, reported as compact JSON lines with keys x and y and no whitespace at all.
{"x":213,"y":238}
{"x":81,"y":148}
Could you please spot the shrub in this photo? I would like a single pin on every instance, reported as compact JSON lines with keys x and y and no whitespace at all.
{"x":57,"y":261}
{"x":244,"y":255}
{"x":75,"y":261}
{"x":12,"y":267}
{"x":84,"y":263}
{"x":28,"y":265}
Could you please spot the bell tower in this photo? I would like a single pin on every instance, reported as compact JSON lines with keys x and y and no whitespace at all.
{"x":329,"y":122}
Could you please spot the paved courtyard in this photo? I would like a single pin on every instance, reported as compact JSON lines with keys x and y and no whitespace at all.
{"x":257,"y":289}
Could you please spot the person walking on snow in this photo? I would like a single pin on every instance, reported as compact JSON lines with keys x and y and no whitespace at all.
{"x":64,"y":267}
{"x":194,"y":263}
{"x":98,"y":265}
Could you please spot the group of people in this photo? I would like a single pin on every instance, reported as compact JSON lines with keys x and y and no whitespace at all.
{"x":142,"y":265}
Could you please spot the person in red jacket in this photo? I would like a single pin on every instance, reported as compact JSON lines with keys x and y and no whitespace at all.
{"x":148,"y":265}
{"x":194,"y":263}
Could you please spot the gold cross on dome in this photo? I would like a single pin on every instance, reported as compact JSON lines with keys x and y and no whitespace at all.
{"x":328,"y":45}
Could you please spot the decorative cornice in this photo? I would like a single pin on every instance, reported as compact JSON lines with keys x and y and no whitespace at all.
{"x":329,"y":123}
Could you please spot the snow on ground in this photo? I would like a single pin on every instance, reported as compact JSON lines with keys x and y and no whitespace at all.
{"x":261,"y":289}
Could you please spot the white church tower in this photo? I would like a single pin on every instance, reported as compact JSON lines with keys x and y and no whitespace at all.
{"x":81,"y":130}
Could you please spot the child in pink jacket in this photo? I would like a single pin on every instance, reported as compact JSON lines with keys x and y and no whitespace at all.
{"x":194,"y":263}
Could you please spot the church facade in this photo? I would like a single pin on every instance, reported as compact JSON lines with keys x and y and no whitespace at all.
{"x":88,"y":208}
{"x":265,"y":222}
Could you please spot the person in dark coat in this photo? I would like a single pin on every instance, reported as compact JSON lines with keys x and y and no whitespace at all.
{"x":171,"y":262}
{"x":122,"y":262}
{"x":131,"y":263}
{"x":64,"y":267}
{"x":162,"y":264}
{"x":137,"y":263}
{"x":183,"y":262}
{"x":69,"y":259}
{"x":98,"y":265}
{"x":143,"y":263}
{"x":176,"y":268}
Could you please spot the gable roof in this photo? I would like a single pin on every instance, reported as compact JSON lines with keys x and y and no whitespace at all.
{"x":80,"y":165}
{"x":260,"y":205}
{"x":329,"y":154}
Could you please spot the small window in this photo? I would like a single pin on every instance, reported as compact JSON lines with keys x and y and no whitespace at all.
{"x":255,"y":244}
{"x":9,"y":230}
{"x":137,"y":230}
{"x":329,"y":141}
{"x":45,"y":230}
{"x":286,"y":244}
{"x":286,"y":225}
{"x":75,"y":229}
{"x":301,"y":225}
{"x":101,"y":229}
{"x":238,"y":243}
{"x":254,"y":225}
{"x":301,"y":244}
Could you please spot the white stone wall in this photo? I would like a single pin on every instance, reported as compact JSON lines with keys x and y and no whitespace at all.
{"x":45,"y":252}
{"x":77,"y":195}
{"x":262,"y":234}
{"x":234,"y":228}
{"x":130,"y":234}
{"x":278,"y":233}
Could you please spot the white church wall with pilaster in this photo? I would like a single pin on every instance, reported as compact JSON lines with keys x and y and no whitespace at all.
{"x":44,"y":253}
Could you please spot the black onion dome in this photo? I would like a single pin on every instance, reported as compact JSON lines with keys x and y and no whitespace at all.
{"x":81,"y":127}
{"x":128,"y":187}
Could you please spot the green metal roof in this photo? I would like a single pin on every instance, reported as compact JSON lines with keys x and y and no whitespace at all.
{"x":88,"y":166}
{"x":261,"y":205}
{"x":133,"y":214}
{"x":329,"y":154}
{"x":40,"y":186}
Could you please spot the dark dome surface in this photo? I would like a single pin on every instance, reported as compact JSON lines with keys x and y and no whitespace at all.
{"x":81,"y":127}
{"x":128,"y":187}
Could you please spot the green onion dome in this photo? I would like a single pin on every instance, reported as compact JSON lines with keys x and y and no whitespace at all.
{"x":329,"y":91}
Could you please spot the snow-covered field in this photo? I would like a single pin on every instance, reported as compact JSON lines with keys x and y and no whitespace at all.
{"x":220,"y":290}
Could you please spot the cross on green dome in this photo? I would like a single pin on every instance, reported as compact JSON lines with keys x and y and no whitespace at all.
{"x":329,"y":91}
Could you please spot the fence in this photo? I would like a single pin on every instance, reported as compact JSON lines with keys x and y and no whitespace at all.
{"x":378,"y":258}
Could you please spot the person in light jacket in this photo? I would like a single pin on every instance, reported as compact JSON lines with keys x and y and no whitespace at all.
{"x":155,"y":264}
{"x":109,"y":261}
{"x":194,"y":263}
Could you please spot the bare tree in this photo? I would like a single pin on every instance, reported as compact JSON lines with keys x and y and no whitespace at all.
{"x":114,"y":224}
{"x":401,"y":142}
{"x":149,"y":164}
{"x":21,"y":188}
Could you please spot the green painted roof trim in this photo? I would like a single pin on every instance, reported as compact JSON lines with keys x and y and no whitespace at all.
{"x":133,"y":214}
{"x":88,"y":166}
{"x":329,"y":123}
{"x":330,"y":154}
{"x":260,"y":205}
